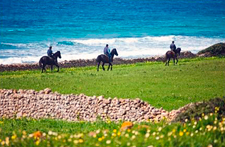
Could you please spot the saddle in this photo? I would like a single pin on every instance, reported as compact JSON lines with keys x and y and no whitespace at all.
{"x":106,"y":56}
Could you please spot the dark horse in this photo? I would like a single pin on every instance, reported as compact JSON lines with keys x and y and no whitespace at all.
{"x":105,"y":59}
{"x":172,"y":54}
{"x":46,"y":60}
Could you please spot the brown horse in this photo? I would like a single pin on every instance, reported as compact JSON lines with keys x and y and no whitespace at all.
{"x":172,"y":54}
{"x":46,"y":60}
{"x":105,"y":59}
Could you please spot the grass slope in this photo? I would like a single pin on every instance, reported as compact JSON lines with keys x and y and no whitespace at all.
{"x":168,"y":87}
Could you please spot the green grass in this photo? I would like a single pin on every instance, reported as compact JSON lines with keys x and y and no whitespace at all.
{"x":208,"y":131}
{"x":168,"y":87}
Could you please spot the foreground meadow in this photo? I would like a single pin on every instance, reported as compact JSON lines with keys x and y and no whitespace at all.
{"x":168,"y":87}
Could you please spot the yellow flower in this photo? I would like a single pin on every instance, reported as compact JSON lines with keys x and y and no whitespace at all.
{"x":174,"y":130}
{"x":99,"y":139}
{"x":75,"y":141}
{"x":37,"y":142}
{"x":13,"y":137}
{"x":118,"y":133}
{"x":181,"y":133}
{"x":114,"y":131}
{"x":1,"y":122}
{"x":185,"y":130}
{"x":80,"y":140}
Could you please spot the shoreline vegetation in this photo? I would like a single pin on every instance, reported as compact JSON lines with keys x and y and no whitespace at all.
{"x":214,"y":50}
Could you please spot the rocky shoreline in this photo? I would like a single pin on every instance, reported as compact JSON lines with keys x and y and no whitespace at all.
{"x":91,"y":62}
{"x":70,"y":107}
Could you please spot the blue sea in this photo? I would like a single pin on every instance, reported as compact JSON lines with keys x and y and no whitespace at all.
{"x":80,"y":29}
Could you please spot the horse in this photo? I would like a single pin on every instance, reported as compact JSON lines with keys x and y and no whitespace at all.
{"x":172,"y":54}
{"x":46,"y":60}
{"x":105,"y":59}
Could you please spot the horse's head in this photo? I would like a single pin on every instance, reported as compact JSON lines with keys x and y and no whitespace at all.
{"x":178,"y":51}
{"x":58,"y":54}
{"x":114,"y":52}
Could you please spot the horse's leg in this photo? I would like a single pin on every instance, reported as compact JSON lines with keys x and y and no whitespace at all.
{"x":51,"y":68}
{"x":43,"y":67}
{"x":168,"y":62}
{"x":57,"y":67}
{"x":103,"y":66}
{"x":109,"y":66}
{"x":98,"y":66}
{"x":177,"y":60}
{"x":174,"y":61}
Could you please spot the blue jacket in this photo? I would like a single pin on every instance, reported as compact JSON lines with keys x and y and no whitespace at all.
{"x":49,"y":52}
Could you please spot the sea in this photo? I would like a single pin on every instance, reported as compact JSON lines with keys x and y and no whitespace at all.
{"x":80,"y":29}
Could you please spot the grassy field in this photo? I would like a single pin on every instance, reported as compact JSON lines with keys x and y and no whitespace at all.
{"x":209,"y":131}
{"x":168,"y":87}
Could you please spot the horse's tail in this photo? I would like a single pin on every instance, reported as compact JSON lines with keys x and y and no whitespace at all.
{"x":165,"y":58}
{"x":40,"y":62}
{"x":98,"y":58}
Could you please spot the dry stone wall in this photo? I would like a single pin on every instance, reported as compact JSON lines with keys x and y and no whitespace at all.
{"x":48,"y":104}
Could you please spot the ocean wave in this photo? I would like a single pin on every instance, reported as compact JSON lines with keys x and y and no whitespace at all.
{"x":90,"y":48}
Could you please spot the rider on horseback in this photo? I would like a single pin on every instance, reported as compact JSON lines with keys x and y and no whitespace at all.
{"x":172,"y":46}
{"x":107,"y":51}
{"x":49,"y":52}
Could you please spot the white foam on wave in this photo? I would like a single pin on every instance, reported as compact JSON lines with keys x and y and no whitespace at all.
{"x":90,"y":48}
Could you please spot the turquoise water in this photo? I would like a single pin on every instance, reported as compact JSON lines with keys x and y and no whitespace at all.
{"x":80,"y":29}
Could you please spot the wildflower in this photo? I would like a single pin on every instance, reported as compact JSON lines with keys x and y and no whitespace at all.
{"x":174,"y":130}
{"x":114,"y":134}
{"x":206,"y":117}
{"x":184,"y":130}
{"x":159,"y":129}
{"x":37,"y":134}
{"x":7,"y":141}
{"x":133,"y":137}
{"x":108,"y":141}
{"x":150,"y":146}
{"x":128,"y":144}
{"x":80,"y":140}
{"x":161,"y":136}
{"x":114,"y":130}
{"x":97,"y":131}
{"x":127,"y":135}
{"x":37,"y":142}
{"x":100,"y":139}
{"x":186,"y":120}
{"x":209,"y":145}
{"x":157,"y":138}
{"x":1,"y":122}
{"x":192,"y":134}
{"x":215,"y":141}
{"x":118,"y":133}
{"x":3,"y":143}
{"x":75,"y":141}
{"x":147,"y":135}
{"x":187,"y":133}
{"x":170,"y":133}
{"x":13,"y":137}
{"x":126,"y":125}
{"x":181,"y":133}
